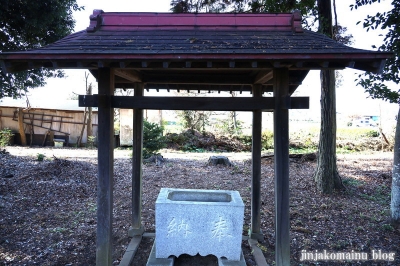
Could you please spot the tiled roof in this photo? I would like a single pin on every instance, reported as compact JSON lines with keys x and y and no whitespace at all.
{"x":195,"y":42}
{"x":148,"y":45}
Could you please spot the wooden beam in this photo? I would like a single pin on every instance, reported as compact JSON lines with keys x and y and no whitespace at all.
{"x":351,"y":64}
{"x":207,"y":78}
{"x":197,"y":103}
{"x":281,"y":162}
{"x":105,"y":168}
{"x":257,"y":253}
{"x":3,"y":67}
{"x":201,"y":87}
{"x":263,"y":77}
{"x":137,"y":228}
{"x":324,"y":64}
{"x":130,"y":75}
{"x":130,"y":251}
{"x":255,"y":231}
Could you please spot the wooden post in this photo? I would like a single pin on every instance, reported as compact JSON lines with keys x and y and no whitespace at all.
{"x":281,"y":151}
{"x":21,"y":126}
{"x":255,"y":231}
{"x":137,"y":228}
{"x":105,"y":168}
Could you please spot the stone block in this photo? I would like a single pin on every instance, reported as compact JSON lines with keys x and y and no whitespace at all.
{"x":191,"y":221}
{"x":226,"y":262}
{"x":153,"y":261}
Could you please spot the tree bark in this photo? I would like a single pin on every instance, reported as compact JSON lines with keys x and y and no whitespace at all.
{"x":326,"y":176}
{"x":395,"y":197}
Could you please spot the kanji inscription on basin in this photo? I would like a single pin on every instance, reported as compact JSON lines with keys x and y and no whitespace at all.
{"x":190,"y":221}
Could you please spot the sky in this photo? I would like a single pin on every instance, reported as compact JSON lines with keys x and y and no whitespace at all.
{"x":351,"y":99}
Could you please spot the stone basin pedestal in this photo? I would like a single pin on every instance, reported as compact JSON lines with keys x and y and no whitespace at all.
{"x":191,"y":221}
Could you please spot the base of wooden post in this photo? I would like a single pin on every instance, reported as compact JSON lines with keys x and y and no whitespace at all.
{"x":136,"y":231}
{"x":256,"y":236}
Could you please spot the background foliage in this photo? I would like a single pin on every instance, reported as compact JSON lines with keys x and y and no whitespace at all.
{"x":27,"y":25}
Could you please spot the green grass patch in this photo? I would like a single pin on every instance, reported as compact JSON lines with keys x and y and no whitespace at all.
{"x":352,"y":182}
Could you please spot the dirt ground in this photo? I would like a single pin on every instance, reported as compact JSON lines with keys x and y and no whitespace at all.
{"x":48,"y":208}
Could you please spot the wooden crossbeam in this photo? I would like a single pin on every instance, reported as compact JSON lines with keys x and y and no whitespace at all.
{"x":195,"y":103}
{"x":263,"y":77}
{"x":129,"y":75}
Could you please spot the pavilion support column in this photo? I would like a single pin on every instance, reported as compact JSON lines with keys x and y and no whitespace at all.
{"x":255,"y":231}
{"x":105,"y":180}
{"x":281,"y":162}
{"x":137,"y":227}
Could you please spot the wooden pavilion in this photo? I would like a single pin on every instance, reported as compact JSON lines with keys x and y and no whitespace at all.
{"x":254,"y":53}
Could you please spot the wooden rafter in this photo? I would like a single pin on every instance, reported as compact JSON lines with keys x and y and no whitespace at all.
{"x":129,"y":75}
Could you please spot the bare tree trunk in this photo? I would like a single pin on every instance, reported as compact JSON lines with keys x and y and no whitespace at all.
{"x":395,"y":197}
{"x":160,"y":117}
{"x":21,"y":126}
{"x":326,"y":176}
{"x":89,"y":127}
{"x":234,"y":116}
{"x":235,"y":122}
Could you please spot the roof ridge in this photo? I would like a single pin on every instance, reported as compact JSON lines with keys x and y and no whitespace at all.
{"x":137,"y":20}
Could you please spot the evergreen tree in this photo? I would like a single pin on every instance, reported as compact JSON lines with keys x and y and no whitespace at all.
{"x":153,"y":139}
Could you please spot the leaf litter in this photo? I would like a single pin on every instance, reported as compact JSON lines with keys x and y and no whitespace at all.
{"x":48,"y":208}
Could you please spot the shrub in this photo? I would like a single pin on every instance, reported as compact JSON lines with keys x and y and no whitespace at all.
{"x":267,"y":139}
{"x":246,"y":140}
{"x":372,"y":133}
{"x":176,"y":138}
{"x":227,"y":126}
{"x":91,"y":141}
{"x":40,"y":157}
{"x":5,"y":137}
{"x":153,"y":139}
